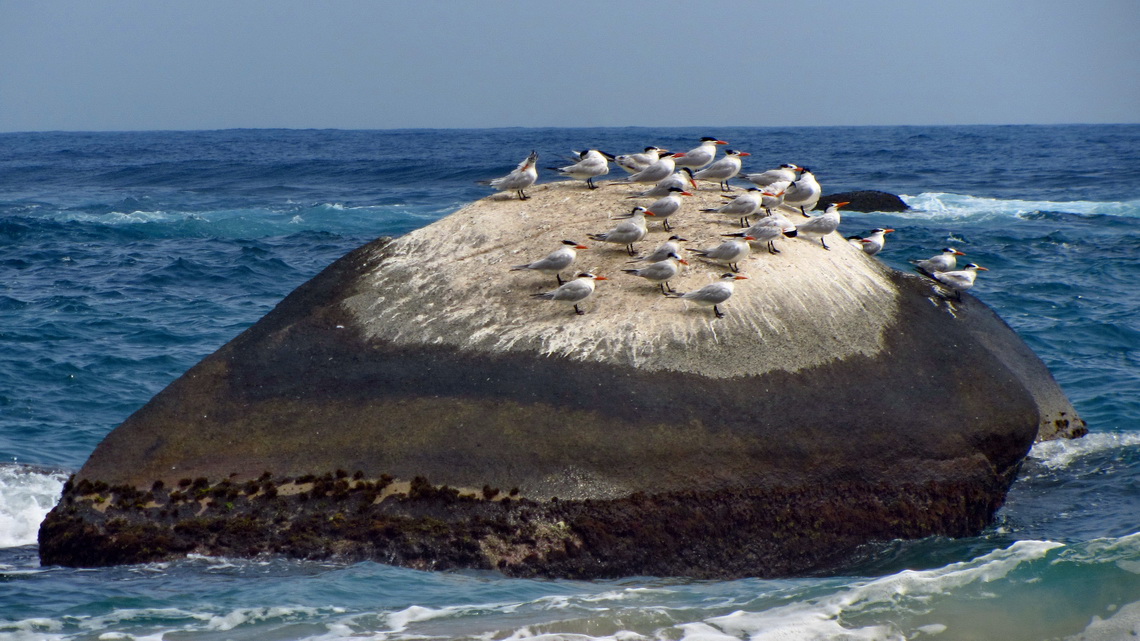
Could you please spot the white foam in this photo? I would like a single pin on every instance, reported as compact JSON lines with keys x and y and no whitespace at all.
{"x":956,"y":206}
{"x":27,"y":494}
{"x":1060,"y":453}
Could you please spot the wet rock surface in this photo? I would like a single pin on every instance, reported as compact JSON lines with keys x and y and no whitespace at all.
{"x":839,"y":402}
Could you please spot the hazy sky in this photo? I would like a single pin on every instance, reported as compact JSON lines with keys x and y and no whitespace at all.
{"x":351,"y":64}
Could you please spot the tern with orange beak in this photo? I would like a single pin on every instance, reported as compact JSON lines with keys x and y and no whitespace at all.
{"x":713,"y":294}
{"x":729,"y":253}
{"x":626,"y":232}
{"x":661,"y":271}
{"x":742,"y":206}
{"x":874,"y":243}
{"x":660,"y":169}
{"x":665,"y":207}
{"x":803,"y":194}
{"x":698,"y":157}
{"x":959,"y":280}
{"x":724,"y":169}
{"x":786,"y":172}
{"x":591,"y":164}
{"x":821,"y":225}
{"x":633,"y":163}
{"x":555,"y":261}
{"x":573,"y":292}
{"x":944,"y":262}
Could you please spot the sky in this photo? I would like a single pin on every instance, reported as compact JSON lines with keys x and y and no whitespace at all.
{"x":95,"y":65}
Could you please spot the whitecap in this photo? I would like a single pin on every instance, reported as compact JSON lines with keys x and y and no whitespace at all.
{"x":27,"y":494}
{"x":1060,"y":453}
{"x":935,"y":205}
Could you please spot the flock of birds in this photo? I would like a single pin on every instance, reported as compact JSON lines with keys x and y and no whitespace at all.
{"x":668,"y":176}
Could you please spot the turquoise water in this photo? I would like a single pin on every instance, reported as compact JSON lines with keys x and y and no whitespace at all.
{"x":127,"y":257}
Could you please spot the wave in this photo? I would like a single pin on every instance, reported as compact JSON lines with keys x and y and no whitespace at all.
{"x":937,"y":205}
{"x":27,"y":494}
{"x":999,"y":594}
{"x":1061,"y":453}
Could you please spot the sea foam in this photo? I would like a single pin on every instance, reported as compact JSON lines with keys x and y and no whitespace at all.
{"x":27,"y":494}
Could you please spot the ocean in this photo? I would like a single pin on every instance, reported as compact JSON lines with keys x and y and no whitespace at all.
{"x":127,"y":257}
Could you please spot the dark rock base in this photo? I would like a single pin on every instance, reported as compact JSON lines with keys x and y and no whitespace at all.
{"x":768,"y":532}
{"x":865,"y":201}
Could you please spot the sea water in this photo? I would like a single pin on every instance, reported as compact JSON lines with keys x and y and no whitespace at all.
{"x":127,"y":257}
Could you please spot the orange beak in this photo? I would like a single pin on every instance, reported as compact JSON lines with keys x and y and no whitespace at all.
{"x":600,"y":278}
{"x":721,"y":142}
{"x":982,"y":269}
{"x":745,"y":153}
{"x":749,"y":238}
{"x":842,"y":204}
{"x":649,"y":213}
{"x":887,"y":231}
{"x":959,"y":253}
{"x":739,"y":277}
{"x":580,"y":247}
{"x":678,"y":155}
{"x":682,"y":261}
{"x":686,"y":193}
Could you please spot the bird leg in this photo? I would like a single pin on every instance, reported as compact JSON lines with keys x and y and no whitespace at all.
{"x":823,"y":243}
{"x":559,"y":277}
{"x":724,"y":186}
{"x":590,"y":183}
{"x":665,"y":224}
{"x":522,"y":195}
{"x":629,"y":250}
{"x":716,"y":310}
{"x":578,"y":311}
{"x":772,"y":248}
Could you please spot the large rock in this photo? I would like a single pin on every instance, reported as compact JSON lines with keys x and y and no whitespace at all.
{"x":865,"y":201}
{"x":839,"y":402}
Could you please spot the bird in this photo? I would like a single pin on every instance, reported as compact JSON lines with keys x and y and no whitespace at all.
{"x":575,"y":291}
{"x":682,"y":178}
{"x":785,"y":172}
{"x":772,"y":196}
{"x":666,"y":206}
{"x":661,"y":271}
{"x":944,"y":262}
{"x":591,"y":164}
{"x":662,"y":168}
{"x":821,"y":225}
{"x":959,"y":280}
{"x":634,"y":163}
{"x":874,"y":243}
{"x":724,"y":169}
{"x":712,"y":294}
{"x":702,"y":155}
{"x":803,"y":193}
{"x":741,"y":206}
{"x":518,"y":180}
{"x":671,"y":246}
{"x":730,"y":252}
{"x":767,"y":230}
{"x":626,"y":232}
{"x":555,"y":261}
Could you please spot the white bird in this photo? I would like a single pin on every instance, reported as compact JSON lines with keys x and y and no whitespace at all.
{"x":574,"y":291}
{"x":662,"y":168}
{"x":671,"y":246}
{"x":803,"y":193}
{"x":661,"y":271}
{"x":634,"y":163}
{"x":785,"y":172}
{"x":724,"y":169}
{"x":730,"y":252}
{"x":682,"y":178}
{"x":767,"y":230}
{"x":874,"y":243}
{"x":518,"y":180}
{"x":698,"y":157}
{"x":742,"y":206}
{"x":944,"y":262}
{"x":665,"y":207}
{"x":555,"y":261}
{"x":772,"y":196}
{"x":821,"y":225}
{"x":712,"y":294}
{"x":626,"y":232}
{"x":591,"y":164}
{"x":959,"y":280}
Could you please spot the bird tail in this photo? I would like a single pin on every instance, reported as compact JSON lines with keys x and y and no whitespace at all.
{"x":518,"y":267}
{"x":543,"y":295}
{"x":598,"y":237}
{"x":631,"y":271}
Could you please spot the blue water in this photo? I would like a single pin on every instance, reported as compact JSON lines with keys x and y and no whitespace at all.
{"x":127,"y":257}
